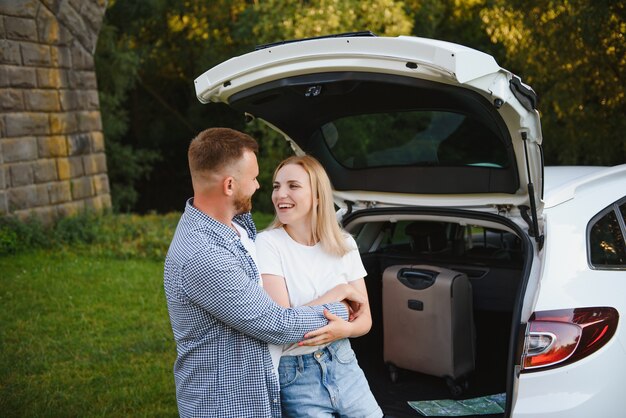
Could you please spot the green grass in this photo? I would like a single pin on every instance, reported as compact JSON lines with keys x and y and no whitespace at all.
{"x":84,"y":329}
{"x":84,"y":336}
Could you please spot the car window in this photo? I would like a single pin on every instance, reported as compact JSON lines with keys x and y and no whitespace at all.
{"x":413,"y":138}
{"x":606,"y":244}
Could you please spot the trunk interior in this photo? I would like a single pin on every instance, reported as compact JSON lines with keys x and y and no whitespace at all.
{"x":492,"y":257}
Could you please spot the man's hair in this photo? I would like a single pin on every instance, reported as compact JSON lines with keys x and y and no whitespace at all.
{"x":324,"y":224}
{"x":215,"y":148}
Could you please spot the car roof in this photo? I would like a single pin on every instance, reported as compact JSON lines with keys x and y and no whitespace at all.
{"x":562,"y":182}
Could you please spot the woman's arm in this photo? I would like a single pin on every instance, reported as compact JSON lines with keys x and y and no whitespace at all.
{"x":337,"y":328}
{"x":276,"y":287}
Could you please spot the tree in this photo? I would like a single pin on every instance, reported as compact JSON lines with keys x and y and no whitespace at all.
{"x":573,"y":53}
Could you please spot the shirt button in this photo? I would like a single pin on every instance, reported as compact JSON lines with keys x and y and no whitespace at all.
{"x":318,"y":355}
{"x":275,"y":400}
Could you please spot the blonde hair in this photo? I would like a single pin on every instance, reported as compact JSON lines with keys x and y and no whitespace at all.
{"x":324,"y":225}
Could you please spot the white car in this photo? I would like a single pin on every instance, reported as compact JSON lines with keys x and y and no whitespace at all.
{"x":434,"y":152}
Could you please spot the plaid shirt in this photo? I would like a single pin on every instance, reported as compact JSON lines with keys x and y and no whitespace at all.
{"x":222,"y":321}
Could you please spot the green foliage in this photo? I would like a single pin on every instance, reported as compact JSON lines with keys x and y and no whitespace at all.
{"x":293,"y":19}
{"x":117,"y":68}
{"x":125,"y":236}
{"x":149,"y":53}
{"x":574,"y":55}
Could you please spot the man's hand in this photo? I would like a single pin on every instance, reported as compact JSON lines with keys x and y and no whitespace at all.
{"x":336,"y":329}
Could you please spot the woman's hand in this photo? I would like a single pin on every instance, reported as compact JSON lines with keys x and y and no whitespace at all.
{"x":336,"y":329}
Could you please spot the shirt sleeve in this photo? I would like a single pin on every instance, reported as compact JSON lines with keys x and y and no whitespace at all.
{"x":353,"y":263}
{"x":215,"y":280}
{"x":268,"y":255}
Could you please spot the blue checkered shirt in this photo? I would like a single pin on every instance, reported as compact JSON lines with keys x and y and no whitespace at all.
{"x":222,"y":321}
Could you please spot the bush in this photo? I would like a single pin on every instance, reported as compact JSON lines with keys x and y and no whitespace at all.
{"x":112,"y":235}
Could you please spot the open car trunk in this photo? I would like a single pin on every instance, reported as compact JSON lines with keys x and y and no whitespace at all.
{"x":489,"y":249}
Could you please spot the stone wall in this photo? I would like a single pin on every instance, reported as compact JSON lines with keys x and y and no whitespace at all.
{"x":52,"y":160}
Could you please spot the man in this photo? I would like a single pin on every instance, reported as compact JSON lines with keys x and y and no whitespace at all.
{"x":222,"y":319}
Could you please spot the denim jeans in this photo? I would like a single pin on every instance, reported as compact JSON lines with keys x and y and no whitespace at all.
{"x":326,"y":383}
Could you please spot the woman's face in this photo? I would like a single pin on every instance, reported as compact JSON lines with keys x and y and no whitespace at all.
{"x":291,"y":195}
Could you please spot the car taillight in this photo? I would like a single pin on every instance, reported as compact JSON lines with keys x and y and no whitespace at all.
{"x":559,"y":337}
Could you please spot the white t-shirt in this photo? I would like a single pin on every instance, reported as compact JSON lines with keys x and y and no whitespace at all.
{"x":309,"y":271}
{"x":249,"y":245}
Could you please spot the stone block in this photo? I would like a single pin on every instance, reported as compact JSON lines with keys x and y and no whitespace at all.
{"x":95,"y":164}
{"x":53,"y":5}
{"x":52,"y":78}
{"x":83,"y":80}
{"x":61,"y":57}
{"x":106,"y":201}
{"x":45,"y":170}
{"x":71,"y":19}
{"x":4,"y":76}
{"x":3,"y":181}
{"x":4,"y":208}
{"x":76,"y":167}
{"x":11,"y":100}
{"x":63,"y":168}
{"x":101,"y":184}
{"x":70,"y":209}
{"x":47,"y":214}
{"x":22,"y":77}
{"x":48,"y":27}
{"x":69,"y":99}
{"x":92,"y":13}
{"x":21,"y":29}
{"x":10,"y":52}
{"x":22,"y":8}
{"x":42,"y":195}
{"x":79,"y":144}
{"x":27,"y":124}
{"x":19,"y":149}
{"x":63,"y":123}
{"x":21,"y":174}
{"x":89,"y":121}
{"x":35,"y":54}
{"x":97,"y":141}
{"x":42,"y":100}
{"x":88,"y":99}
{"x":20,"y":198}
{"x":52,"y":146}
{"x":94,"y":204}
{"x":66,"y":37}
{"x":81,"y":188}
{"x":59,"y":192}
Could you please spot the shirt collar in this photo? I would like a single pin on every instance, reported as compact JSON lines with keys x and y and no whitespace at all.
{"x":206,"y":222}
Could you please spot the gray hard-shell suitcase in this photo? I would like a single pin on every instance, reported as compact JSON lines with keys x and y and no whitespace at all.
{"x":428,"y":323}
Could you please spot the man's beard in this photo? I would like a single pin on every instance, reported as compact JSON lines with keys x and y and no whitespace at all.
{"x":243,"y":204}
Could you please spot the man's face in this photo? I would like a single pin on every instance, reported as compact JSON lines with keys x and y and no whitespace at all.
{"x":247,"y":184}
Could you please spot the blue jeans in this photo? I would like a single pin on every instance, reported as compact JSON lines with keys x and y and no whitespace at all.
{"x":326,"y":383}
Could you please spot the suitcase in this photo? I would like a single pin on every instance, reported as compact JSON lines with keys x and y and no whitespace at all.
{"x":428,"y":323}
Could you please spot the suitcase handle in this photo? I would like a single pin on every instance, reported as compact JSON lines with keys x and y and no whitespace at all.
{"x":417,"y":279}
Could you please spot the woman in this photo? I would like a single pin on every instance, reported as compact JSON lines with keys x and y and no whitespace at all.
{"x":302,"y":256}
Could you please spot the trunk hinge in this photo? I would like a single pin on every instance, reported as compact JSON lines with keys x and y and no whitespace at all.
{"x":533,"y":222}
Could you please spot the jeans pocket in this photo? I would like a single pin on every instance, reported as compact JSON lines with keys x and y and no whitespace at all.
{"x":343,"y":352}
{"x":287,"y":374}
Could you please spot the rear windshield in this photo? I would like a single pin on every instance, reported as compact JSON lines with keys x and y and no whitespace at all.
{"x":413,"y":138}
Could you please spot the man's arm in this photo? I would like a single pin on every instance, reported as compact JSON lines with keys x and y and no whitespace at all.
{"x":226,"y":292}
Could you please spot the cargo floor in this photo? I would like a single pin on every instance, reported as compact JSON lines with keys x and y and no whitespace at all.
{"x":489,"y":378}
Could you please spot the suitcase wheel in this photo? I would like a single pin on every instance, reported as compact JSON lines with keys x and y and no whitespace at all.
{"x":393,"y":372}
{"x":457,"y":387}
